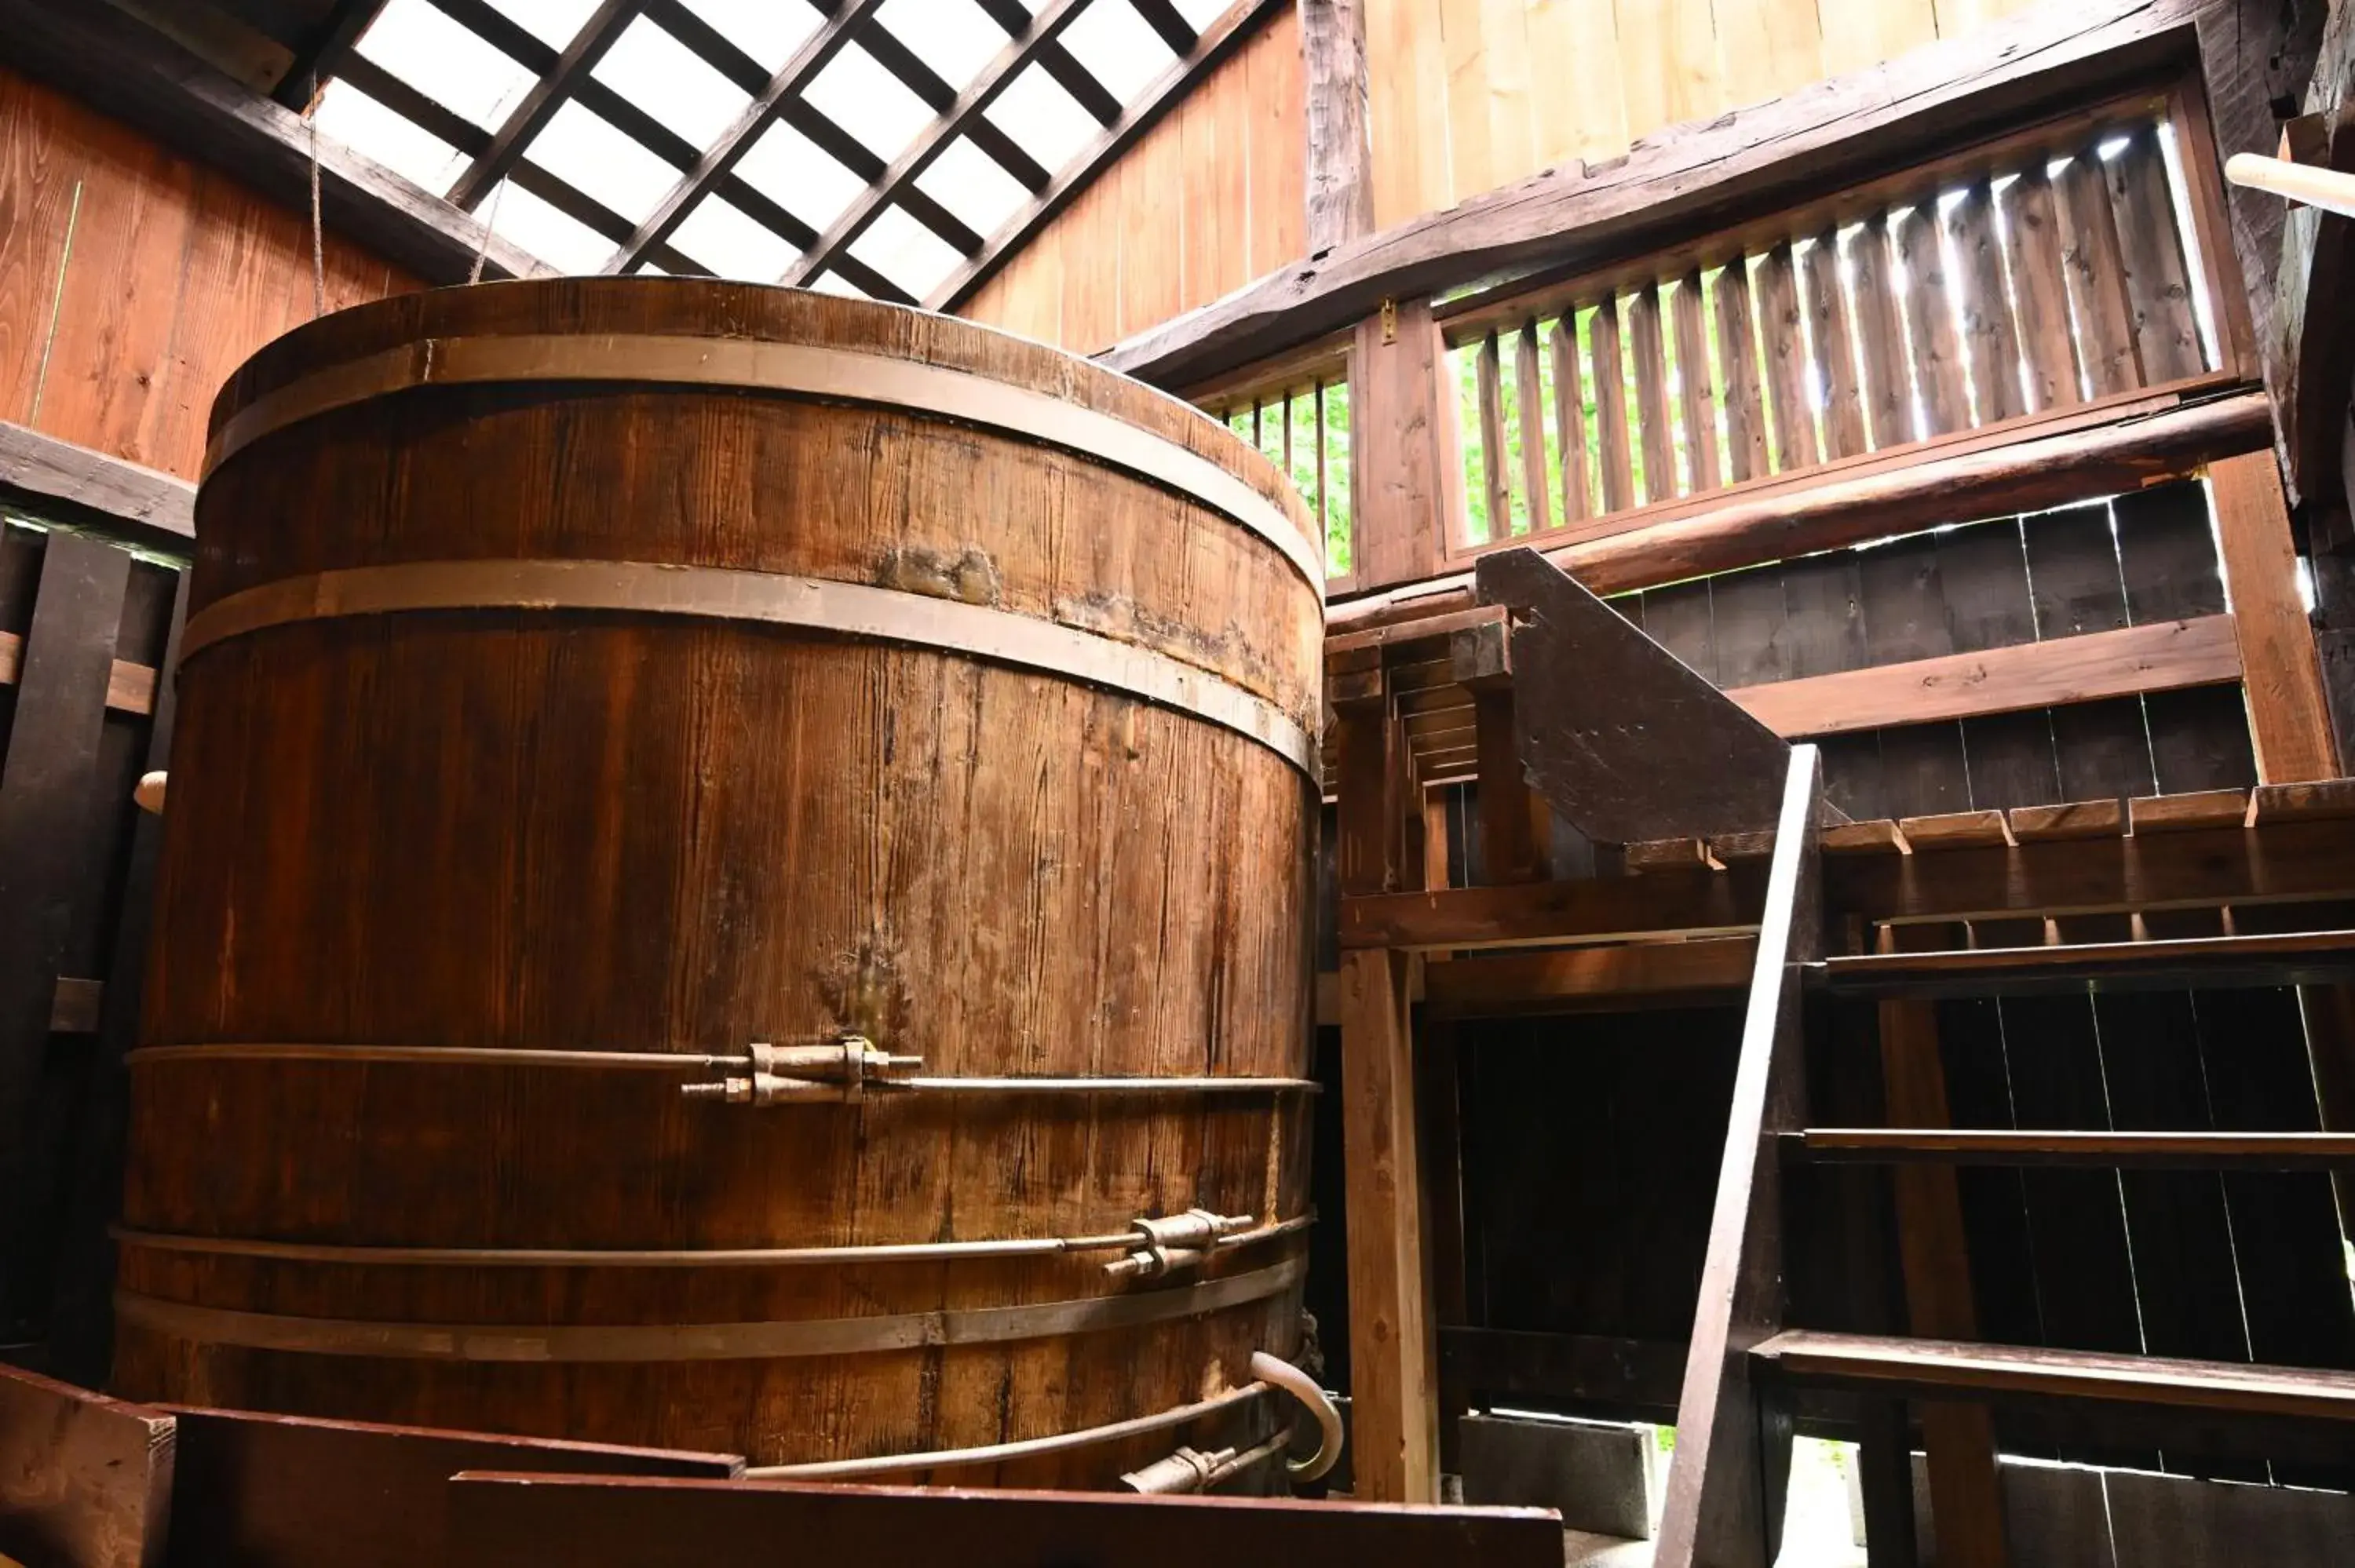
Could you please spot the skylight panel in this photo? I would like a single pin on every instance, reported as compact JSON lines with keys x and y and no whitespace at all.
{"x":732,"y":245}
{"x":797,"y":174}
{"x":671,"y":82}
{"x":1046,"y":120}
{"x":955,"y":37}
{"x":857,"y":93}
{"x":1118,"y":47}
{"x":553,"y":22}
{"x":973,"y":186}
{"x":835,"y":283}
{"x":587,"y":152}
{"x":905,"y":251}
{"x":768,"y":30}
{"x":1200,"y":14}
{"x":347,"y":114}
{"x":427,"y":49}
{"x":559,"y":240}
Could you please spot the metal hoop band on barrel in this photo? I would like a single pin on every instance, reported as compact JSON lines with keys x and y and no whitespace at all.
{"x":666,"y":1257}
{"x":701,"y":1341}
{"x":748,"y":364}
{"x":771,"y":598}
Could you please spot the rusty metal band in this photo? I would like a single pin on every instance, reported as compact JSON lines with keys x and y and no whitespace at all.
{"x":664,"y":1061}
{"x":808,"y":370}
{"x":998,"y":1453}
{"x":701,"y":1341}
{"x":670,"y":1257}
{"x":771,"y":598}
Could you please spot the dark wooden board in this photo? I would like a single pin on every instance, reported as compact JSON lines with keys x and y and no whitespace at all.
{"x":1623,"y":739}
{"x":67,"y":483}
{"x":85,"y":1480}
{"x":253,"y":1490}
{"x":502,"y":1519}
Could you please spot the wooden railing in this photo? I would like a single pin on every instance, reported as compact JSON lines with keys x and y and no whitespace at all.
{"x":1298,"y":413}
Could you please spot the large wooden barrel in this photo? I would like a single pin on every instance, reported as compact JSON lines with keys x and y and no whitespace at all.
{"x":587,"y":681}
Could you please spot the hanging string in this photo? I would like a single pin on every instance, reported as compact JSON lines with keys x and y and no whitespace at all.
{"x":490,"y":222}
{"x":318,"y":231}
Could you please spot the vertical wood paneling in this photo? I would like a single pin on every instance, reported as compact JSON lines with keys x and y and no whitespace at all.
{"x":1737,"y":348}
{"x":1835,"y":350}
{"x":1531,"y":388}
{"x":1991,"y":344}
{"x":1786,"y":360}
{"x":1570,"y":420}
{"x":1611,"y":410}
{"x":131,"y":282}
{"x":2040,"y":297}
{"x":1653,"y":430}
{"x":2097,"y":277}
{"x":1880,"y":336}
{"x":2167,"y":331}
{"x":1696,"y":393}
{"x":1495,"y":476}
{"x":1152,"y":277}
{"x":1275,"y":84}
{"x":1930,"y":322}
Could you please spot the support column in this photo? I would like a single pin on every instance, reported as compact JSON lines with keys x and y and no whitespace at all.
{"x":2289,"y":717}
{"x":1394,"y":1359}
{"x":1408,"y":475}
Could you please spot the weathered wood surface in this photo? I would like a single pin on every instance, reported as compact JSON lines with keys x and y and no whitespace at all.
{"x":782,"y":880}
{"x":58,"y":480}
{"x":1740,"y":529}
{"x":2160,"y":963}
{"x":1690,"y":903}
{"x":1340,"y":175}
{"x":1701,"y":177}
{"x":251,"y":1489}
{"x":1637,"y":1378}
{"x":2097,"y":1150}
{"x":126,"y":68}
{"x":1612,"y":976}
{"x":2314,"y":348}
{"x":85,"y":1480}
{"x":2289,"y":715}
{"x":1726,"y":1481}
{"x":505,"y":1520}
{"x":1625,"y":741}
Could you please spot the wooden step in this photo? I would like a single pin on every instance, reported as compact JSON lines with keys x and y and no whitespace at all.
{"x":2285,"y":959}
{"x":2098,"y":1149}
{"x":1866,"y":1363}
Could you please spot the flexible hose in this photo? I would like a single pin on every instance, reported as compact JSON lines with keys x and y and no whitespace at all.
{"x":1282,"y":1374}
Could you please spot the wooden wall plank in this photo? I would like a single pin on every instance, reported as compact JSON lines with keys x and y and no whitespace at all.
{"x":1275,"y":85}
{"x":88,"y":1478}
{"x":1570,"y":420}
{"x":1888,"y":393}
{"x":1990,"y":341}
{"x":1615,"y":454}
{"x":1528,"y":384}
{"x":2166,"y":329}
{"x":1835,"y":349}
{"x":1495,"y":465}
{"x":2032,"y":254}
{"x":1696,"y":388}
{"x":2096,"y":276}
{"x":1930,"y":323}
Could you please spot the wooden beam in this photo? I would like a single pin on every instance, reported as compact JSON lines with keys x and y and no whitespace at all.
{"x":90,"y":1478}
{"x":2161,"y":657}
{"x":59,"y":481}
{"x":2071,"y":1148}
{"x":1340,"y":147}
{"x":1732,"y":1457}
{"x":531,"y":114}
{"x":1771,"y":522}
{"x":2289,"y":716}
{"x":1217,"y":40}
{"x":318,"y":58}
{"x":1393,"y":1373}
{"x":1061,"y":65}
{"x":721,"y":158}
{"x":1638,"y":1379}
{"x":1174,"y":30}
{"x":962,"y":116}
{"x":123,"y":67}
{"x":1688,"y":181}
{"x":1512,"y":984}
{"x":129,"y":688}
{"x":1694,"y":903}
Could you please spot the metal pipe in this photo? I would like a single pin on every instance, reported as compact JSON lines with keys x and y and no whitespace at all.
{"x":1191,"y":1470}
{"x":1282,"y":1374}
{"x":679,"y":1258}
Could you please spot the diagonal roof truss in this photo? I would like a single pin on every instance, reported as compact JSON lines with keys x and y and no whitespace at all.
{"x":901,"y":149}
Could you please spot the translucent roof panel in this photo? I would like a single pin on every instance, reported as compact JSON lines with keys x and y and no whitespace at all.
{"x":347,"y":114}
{"x":973,"y":186}
{"x":672,"y":82}
{"x":588,"y":153}
{"x":906,"y":252}
{"x":955,"y":37}
{"x":797,"y":174}
{"x":557,"y":238}
{"x":877,"y":108}
{"x":1119,"y":48}
{"x":1048,"y":121}
{"x":553,"y":22}
{"x":732,"y":245}
{"x":450,"y":65}
{"x":1200,"y":14}
{"x":768,"y":30}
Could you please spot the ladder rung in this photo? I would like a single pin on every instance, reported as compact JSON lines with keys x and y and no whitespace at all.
{"x":1861,"y":1362}
{"x":2103,"y":1149}
{"x":2285,"y":959}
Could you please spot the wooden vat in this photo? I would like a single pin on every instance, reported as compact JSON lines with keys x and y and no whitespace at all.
{"x":619,"y":668}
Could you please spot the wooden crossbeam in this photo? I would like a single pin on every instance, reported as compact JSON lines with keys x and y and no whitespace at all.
{"x":597,"y":36}
{"x":321,"y":57}
{"x":961,"y":118}
{"x":790,"y":81}
{"x":1060,"y":64}
{"x":1725,"y":1483}
{"x":2166,"y":964}
{"x":1216,"y":43}
{"x":2075,"y":1149}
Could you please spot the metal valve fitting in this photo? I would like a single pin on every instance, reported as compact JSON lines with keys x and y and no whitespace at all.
{"x":840,"y":1070}
{"x":1176,"y":1241}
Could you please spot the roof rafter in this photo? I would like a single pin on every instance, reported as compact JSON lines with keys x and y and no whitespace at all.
{"x":721,"y":158}
{"x":959,"y":119}
{"x":322,"y":55}
{"x":529,"y":117}
{"x":1058,"y":63}
{"x":1162,"y":16}
{"x":1217,"y":41}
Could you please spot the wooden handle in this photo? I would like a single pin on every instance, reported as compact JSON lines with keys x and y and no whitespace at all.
{"x":2326,"y":188}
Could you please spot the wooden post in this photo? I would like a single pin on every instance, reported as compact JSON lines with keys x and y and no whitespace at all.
{"x":1514,"y":824}
{"x":2289,"y":717}
{"x":1732,"y":1460}
{"x":1393,"y":1360}
{"x":1340,"y":149}
{"x":1408,"y":478}
{"x":1966,"y":1495}
{"x":1367,"y":850}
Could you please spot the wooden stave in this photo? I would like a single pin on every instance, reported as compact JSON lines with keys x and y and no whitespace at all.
{"x":1218,"y":1341}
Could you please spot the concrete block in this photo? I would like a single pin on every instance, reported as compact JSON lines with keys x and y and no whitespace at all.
{"x":1599,"y":1474}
